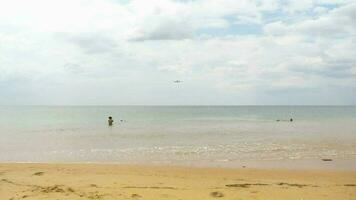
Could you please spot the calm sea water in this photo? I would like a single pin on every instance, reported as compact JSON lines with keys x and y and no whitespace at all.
{"x":193,"y":135}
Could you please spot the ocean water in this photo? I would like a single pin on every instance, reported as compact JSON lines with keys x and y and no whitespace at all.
{"x":187,"y":135}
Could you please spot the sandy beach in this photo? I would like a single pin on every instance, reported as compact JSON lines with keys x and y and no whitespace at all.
{"x":104,"y":181}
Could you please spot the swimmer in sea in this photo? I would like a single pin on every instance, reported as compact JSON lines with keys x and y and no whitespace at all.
{"x":110,"y":121}
{"x":281,"y":120}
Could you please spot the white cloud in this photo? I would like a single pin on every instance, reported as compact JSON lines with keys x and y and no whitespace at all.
{"x":293,"y":6}
{"x":340,"y":22}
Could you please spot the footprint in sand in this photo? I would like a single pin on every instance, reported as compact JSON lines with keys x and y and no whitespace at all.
{"x":217,"y":194}
{"x":136,"y":196}
{"x":69,"y":189}
{"x":350,"y":185}
{"x":38,"y":174}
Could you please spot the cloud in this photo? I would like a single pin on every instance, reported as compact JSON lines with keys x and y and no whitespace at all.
{"x":166,"y":30}
{"x":177,"y":20}
{"x":339,"y":22}
{"x":91,"y":44}
{"x":73,"y":68}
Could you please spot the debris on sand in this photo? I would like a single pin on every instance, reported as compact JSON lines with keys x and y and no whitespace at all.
{"x":245,"y":185}
{"x":217,"y":194}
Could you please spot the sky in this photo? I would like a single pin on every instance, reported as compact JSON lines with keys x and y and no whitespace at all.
{"x":225,"y":52}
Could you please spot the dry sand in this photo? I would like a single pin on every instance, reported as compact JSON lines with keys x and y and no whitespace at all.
{"x":99,"y":181}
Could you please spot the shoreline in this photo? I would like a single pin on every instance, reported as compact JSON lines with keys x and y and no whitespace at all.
{"x":333,"y":164}
{"x":119,"y":181}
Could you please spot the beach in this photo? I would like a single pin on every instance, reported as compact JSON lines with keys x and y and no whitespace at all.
{"x":108,"y":181}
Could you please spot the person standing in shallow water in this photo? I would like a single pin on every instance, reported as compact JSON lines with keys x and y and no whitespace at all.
{"x":110,"y":121}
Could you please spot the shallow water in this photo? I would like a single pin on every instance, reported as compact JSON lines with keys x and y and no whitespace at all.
{"x":213,"y":135}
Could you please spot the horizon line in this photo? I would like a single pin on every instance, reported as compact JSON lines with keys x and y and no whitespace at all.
{"x":188,"y":105}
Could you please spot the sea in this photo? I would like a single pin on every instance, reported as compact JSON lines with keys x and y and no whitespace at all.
{"x":216,"y":136}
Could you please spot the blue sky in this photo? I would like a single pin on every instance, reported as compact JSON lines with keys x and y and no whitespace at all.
{"x":110,"y":52}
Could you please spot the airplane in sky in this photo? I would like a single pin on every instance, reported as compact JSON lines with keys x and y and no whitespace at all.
{"x":177,"y":81}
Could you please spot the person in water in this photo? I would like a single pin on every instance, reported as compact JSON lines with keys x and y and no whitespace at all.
{"x":110,"y":121}
{"x":291,"y":120}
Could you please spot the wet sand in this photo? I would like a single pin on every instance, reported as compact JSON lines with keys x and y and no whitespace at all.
{"x":104,"y":181}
